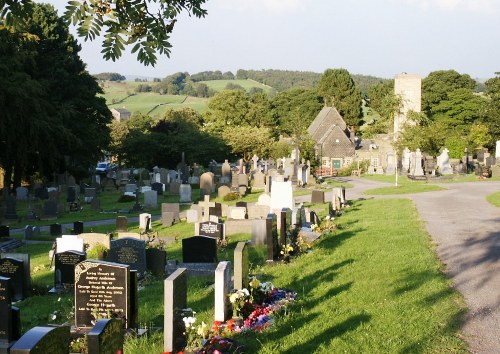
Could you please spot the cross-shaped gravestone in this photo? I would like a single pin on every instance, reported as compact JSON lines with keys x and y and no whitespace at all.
{"x":206,"y":205}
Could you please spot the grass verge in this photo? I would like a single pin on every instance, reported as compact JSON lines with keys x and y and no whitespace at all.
{"x":375,"y":286}
{"x":494,"y":199}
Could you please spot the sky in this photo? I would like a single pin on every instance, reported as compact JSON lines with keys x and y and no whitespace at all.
{"x":371,"y":37}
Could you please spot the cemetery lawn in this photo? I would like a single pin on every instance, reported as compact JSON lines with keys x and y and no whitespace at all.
{"x":373,"y":286}
{"x":494,"y":199}
{"x":405,"y":185}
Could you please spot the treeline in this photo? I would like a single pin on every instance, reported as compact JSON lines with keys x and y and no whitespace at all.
{"x":110,"y":77}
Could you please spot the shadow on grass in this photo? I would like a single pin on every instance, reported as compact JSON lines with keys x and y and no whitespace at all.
{"x":328,"y":334}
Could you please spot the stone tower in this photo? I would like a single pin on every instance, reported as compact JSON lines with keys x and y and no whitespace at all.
{"x":409,"y":88}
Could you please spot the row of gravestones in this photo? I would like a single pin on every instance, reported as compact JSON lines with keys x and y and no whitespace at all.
{"x":120,"y":299}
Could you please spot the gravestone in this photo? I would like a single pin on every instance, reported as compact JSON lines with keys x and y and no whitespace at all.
{"x":10,"y":326}
{"x":175,"y":300}
{"x":241,"y":266}
{"x":69,"y":243}
{"x":95,"y":204}
{"x":174,"y":188}
{"x":185,"y":193}
{"x":144,"y":221}
{"x":131,"y":188}
{"x":226,"y":169}
{"x":281,"y":195}
{"x":283,"y":225}
{"x":443,"y":162}
{"x":206,"y":184}
{"x":258,"y":211}
{"x":259,"y":179}
{"x":212,"y":229}
{"x":171,"y":207}
{"x":90,"y":193}
{"x":43,"y":340}
{"x":156,"y":260}
{"x":65,"y":262}
{"x":50,"y":209}
{"x":167,"y":218}
{"x":107,"y":336}
{"x":261,"y":229}
{"x":55,"y":230}
{"x":103,"y":287}
{"x":28,"y":233}
{"x":222,"y":290}
{"x":158,"y":187}
{"x":222,"y":191}
{"x":129,"y":251}
{"x":317,"y":196}
{"x":78,"y":227}
{"x":264,"y":199}
{"x":22,"y":193}
{"x":417,"y":164}
{"x":71,"y":195}
{"x":216,"y":210}
{"x":25,"y":258}
{"x":150,"y":199}
{"x":237,"y":213}
{"x":4,"y":231}
{"x":199,"y":249}
{"x":14,"y":269}
{"x":192,"y":215}
{"x":10,"y":211}
{"x":121,"y":223}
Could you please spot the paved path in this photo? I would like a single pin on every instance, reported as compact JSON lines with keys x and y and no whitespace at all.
{"x":466,"y":229}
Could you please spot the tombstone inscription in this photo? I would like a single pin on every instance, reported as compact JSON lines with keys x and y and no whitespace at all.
{"x":103,"y":287}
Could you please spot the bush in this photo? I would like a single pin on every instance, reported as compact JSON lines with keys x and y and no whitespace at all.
{"x":347,"y":171}
{"x":97,"y":252}
{"x":231,"y":196}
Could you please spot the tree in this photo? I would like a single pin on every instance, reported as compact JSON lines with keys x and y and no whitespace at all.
{"x":439,"y":84}
{"x":60,"y":122}
{"x":285,"y":107}
{"x":491,"y":117}
{"x":145,"y":24}
{"x":337,"y":88}
{"x":227,"y":108}
{"x":377,"y":95}
{"x":110,"y":76}
{"x":246,"y":141}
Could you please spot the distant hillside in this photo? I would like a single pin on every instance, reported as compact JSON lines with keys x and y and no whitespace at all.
{"x":283,"y":80}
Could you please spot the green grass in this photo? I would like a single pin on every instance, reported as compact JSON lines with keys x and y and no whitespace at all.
{"x":494,"y":199}
{"x":405,"y":185}
{"x":219,"y":85}
{"x":373,"y":287}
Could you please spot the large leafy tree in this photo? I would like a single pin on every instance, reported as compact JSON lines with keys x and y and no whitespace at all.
{"x":439,"y":84}
{"x":338,"y":89}
{"x":227,"y":108}
{"x":60,"y":122}
{"x":491,"y":117}
{"x":146,"y":25}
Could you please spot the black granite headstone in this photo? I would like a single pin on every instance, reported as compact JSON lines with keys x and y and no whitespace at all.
{"x":212,"y":229}
{"x":273,"y":249}
{"x":216,"y":210}
{"x":158,"y":187}
{"x":103,"y":287}
{"x":65,"y":263}
{"x":43,"y":340}
{"x":242,"y":204}
{"x":55,"y":229}
{"x":106,"y":337}
{"x":283,"y":226}
{"x":314,"y":218}
{"x":50,"y":209}
{"x":199,"y":249}
{"x":14,"y":269}
{"x":4,"y":231}
{"x":25,"y":258}
{"x":156,"y":260}
{"x":129,"y":251}
{"x":71,"y":195}
{"x":78,"y":227}
{"x":10,"y":324}
{"x":10,"y":211}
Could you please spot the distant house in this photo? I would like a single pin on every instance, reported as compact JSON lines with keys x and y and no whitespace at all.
{"x":335,"y":144}
{"x":120,"y":114}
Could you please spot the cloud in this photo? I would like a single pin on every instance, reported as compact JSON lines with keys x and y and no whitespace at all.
{"x":491,"y":7}
{"x":272,"y":6}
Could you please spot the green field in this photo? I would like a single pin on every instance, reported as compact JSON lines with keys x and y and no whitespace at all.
{"x":219,"y":85}
{"x":122,"y":95}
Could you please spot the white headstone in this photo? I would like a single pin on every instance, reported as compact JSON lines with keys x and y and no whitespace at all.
{"x":222,"y":290}
{"x":69,"y":243}
{"x":143,"y":218}
{"x":281,"y":195}
{"x":150,"y":199}
{"x":264,"y":199}
{"x":185,"y":193}
{"x":192,"y":215}
{"x":443,"y":162}
{"x":237,"y":213}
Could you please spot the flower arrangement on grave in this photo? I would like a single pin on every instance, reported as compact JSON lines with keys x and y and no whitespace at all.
{"x":221,"y":345}
{"x":240,"y":301}
{"x":194,"y":334}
